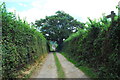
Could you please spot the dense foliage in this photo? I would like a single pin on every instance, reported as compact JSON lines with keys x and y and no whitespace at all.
{"x":97,"y":46}
{"x":21,"y":43}
{"x":58,"y":27}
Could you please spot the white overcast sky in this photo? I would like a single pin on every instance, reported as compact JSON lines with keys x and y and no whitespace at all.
{"x":80,"y":9}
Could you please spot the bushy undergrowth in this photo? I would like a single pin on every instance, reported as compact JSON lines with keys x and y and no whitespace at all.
{"x":21,"y":44}
{"x":97,"y":46}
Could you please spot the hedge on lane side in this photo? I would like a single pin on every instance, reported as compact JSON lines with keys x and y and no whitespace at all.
{"x":97,"y":46}
{"x":21,"y":44}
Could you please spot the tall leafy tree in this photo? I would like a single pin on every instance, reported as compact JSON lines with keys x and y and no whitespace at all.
{"x":58,"y":27}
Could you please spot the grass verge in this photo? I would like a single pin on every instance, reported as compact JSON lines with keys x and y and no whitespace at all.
{"x":60,"y":71}
{"x":88,"y":71}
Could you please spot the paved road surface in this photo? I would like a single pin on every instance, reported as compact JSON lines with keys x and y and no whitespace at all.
{"x":70,"y":70}
{"x":49,"y":70}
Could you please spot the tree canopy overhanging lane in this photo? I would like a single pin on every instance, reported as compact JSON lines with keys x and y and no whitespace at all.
{"x":58,"y":27}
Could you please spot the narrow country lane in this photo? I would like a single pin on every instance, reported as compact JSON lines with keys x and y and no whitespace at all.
{"x":48,"y":70}
{"x":70,"y":70}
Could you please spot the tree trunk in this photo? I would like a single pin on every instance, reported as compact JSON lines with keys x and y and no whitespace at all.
{"x":60,"y":42}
